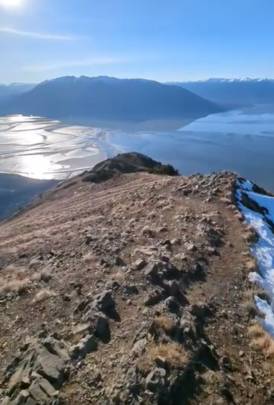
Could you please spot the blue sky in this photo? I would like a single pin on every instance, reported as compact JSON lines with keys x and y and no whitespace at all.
{"x":155,"y":39}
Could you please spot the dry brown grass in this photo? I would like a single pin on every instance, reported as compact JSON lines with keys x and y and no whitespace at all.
{"x":171,"y":355}
{"x":43,"y":295}
{"x":251,"y":265}
{"x":163,"y":323}
{"x":255,"y":331}
{"x":15,"y":286}
{"x":261,"y":340}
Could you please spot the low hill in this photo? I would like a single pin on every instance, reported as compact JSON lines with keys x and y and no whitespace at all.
{"x":233,"y":92}
{"x":137,"y":290}
{"x":17,"y":191}
{"x":105,"y":98}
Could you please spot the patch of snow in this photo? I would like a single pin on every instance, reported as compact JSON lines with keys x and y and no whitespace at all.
{"x":245,"y":185}
{"x":263,"y":250}
{"x":265,"y":202}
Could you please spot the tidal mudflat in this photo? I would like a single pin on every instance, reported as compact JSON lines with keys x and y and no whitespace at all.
{"x":240,"y":141}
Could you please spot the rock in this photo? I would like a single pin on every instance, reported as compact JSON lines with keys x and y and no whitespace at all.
{"x":81,"y":329}
{"x":86,"y":345}
{"x":51,"y":366}
{"x":35,"y":263}
{"x":191,"y":247}
{"x":139,"y":347}
{"x":24,"y":394}
{"x":37,"y":372}
{"x":157,"y":272}
{"x":31,"y":401}
{"x":82,"y":305}
{"x":200,"y":310}
{"x":172,"y":304}
{"x":188,"y":326}
{"x":176,"y":242}
{"x":146,"y":251}
{"x":151,"y":272}
{"x":118,"y":261}
{"x":139,"y":264}
{"x":21,"y":373}
{"x":88,"y":239}
{"x":102,"y":329}
{"x":147,"y":231}
{"x":162,"y":229}
{"x":167,"y":244}
{"x":56,"y":347}
{"x":154,"y":297}
{"x":43,"y":295}
{"x":156,"y":379}
{"x":130,"y":290}
{"x":37,"y":393}
{"x":45,"y":275}
{"x":105,"y":303}
{"x":48,"y":388}
{"x":172,"y":288}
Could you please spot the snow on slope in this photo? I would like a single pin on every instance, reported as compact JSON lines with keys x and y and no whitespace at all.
{"x":262,"y":220}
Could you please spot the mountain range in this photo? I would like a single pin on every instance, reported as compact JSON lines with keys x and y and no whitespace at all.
{"x":108,"y":98}
{"x":234,"y":92}
{"x":112,"y":99}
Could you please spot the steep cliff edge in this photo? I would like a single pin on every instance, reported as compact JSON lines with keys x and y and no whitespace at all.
{"x":133,"y":290}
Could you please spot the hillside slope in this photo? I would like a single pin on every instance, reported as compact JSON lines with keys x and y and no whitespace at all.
{"x":106,"y":98}
{"x":133,"y":290}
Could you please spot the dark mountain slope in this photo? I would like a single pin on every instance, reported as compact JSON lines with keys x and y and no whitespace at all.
{"x":109,"y":99}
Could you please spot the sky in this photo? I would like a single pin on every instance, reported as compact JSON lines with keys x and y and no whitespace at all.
{"x":165,"y":40}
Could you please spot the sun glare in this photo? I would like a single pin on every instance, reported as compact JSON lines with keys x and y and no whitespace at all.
{"x":11,"y":3}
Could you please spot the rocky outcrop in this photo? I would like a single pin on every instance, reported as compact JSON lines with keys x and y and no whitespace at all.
{"x":36,"y":374}
{"x":127,"y":163}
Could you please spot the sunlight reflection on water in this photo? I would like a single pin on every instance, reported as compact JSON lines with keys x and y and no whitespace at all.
{"x":46,"y":149}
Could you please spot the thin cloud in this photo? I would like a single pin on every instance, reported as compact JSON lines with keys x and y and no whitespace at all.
{"x":37,"y":35}
{"x":100,"y":61}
